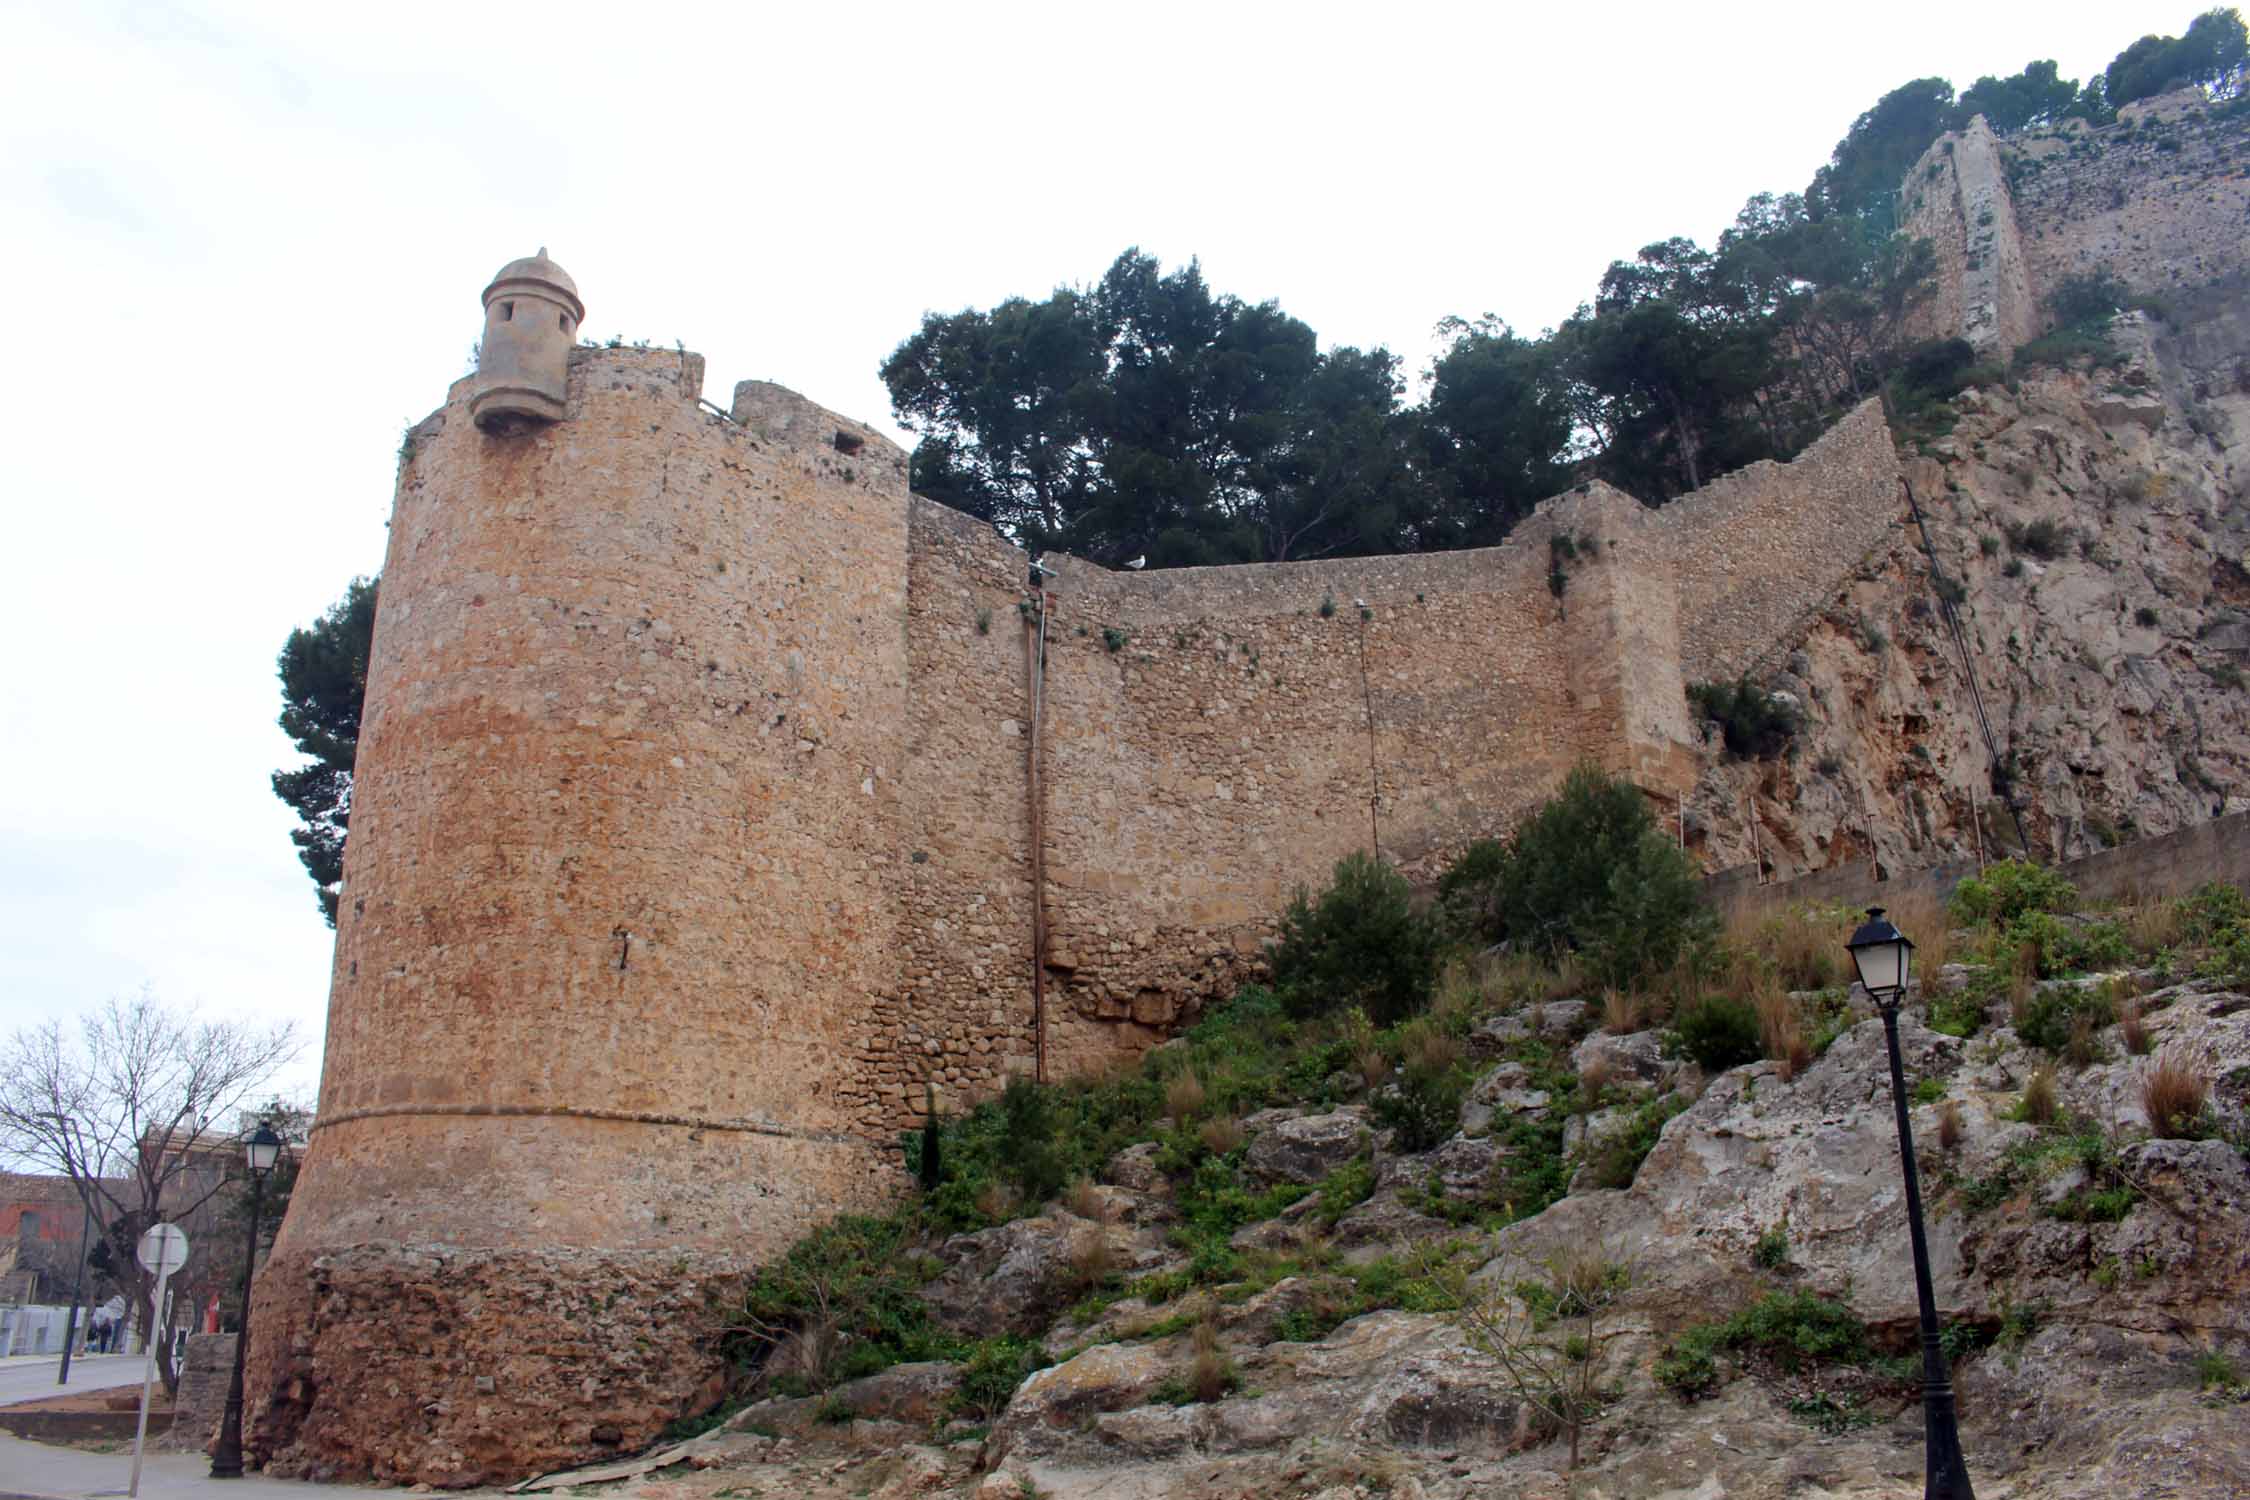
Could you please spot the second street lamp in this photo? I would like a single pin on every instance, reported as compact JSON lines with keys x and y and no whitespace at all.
{"x":262,"y":1150}
{"x":1883,"y":957}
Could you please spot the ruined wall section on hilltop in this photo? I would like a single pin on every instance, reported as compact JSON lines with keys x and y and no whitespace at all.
{"x":1757,"y":551}
{"x":2160,"y":199}
{"x":1957,"y":197}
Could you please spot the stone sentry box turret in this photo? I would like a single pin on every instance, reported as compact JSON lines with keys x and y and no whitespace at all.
{"x":531,"y":320}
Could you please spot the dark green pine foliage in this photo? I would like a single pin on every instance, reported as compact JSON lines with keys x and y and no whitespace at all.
{"x":1146,"y":415}
{"x":323,"y":668}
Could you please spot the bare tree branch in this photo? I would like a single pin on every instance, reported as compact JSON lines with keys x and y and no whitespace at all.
{"x":138,"y":1110}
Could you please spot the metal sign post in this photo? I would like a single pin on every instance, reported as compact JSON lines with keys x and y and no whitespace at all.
{"x":163,"y":1249}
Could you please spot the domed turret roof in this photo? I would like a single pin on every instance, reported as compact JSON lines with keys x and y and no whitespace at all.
{"x":535,"y":268}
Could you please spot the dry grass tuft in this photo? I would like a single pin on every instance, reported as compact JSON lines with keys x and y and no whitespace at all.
{"x":1210,"y":1372}
{"x":1593,"y":1078}
{"x":1223,"y":1134}
{"x":2174,"y":1095}
{"x":2039,"y":1097}
{"x":1781,"y":1020}
{"x":2022,"y":980}
{"x":2083,"y":1048}
{"x":1184,"y":1096}
{"x":1085,"y":1200}
{"x":1093,"y":1259}
{"x":1461,"y":996}
{"x":2134,"y":1027}
{"x":1426,"y":1049}
{"x":1373,"y":1066}
{"x":1922,"y":917}
{"x":1806,"y":945}
{"x":998,"y":1201}
{"x":1623,"y":1012}
{"x":1949,"y":1124}
{"x":2153,"y":926}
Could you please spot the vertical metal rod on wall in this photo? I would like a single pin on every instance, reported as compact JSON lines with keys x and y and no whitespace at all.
{"x":1757,"y":845}
{"x":1035,"y":641}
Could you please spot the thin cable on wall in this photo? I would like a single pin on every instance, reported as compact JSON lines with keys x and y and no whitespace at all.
{"x":2003,"y":781}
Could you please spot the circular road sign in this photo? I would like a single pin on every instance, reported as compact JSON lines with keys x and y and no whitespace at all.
{"x":163,"y":1249}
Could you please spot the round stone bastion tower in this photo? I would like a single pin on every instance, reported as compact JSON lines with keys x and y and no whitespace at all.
{"x":611,"y":928}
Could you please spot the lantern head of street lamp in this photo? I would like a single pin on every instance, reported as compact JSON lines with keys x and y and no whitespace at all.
{"x":263,"y":1148}
{"x":1883,"y":956}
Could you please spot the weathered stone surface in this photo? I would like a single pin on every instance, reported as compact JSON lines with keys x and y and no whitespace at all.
{"x":915,"y":1393}
{"x":1051,"y":1404}
{"x":200,"y":1403}
{"x":1635,"y":1059}
{"x":1015,"y":1277}
{"x":1135,"y":1168}
{"x":384,"y":1375}
{"x":1306,"y":1150}
{"x":1503,"y":1090}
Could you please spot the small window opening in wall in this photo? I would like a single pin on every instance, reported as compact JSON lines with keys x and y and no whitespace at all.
{"x":849,"y":442}
{"x":507,"y":312}
{"x":563,"y":319}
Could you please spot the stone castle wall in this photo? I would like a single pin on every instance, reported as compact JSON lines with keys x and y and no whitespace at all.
{"x":693,"y":842}
{"x":2161,"y":199}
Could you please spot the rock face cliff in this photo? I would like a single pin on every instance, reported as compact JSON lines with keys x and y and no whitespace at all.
{"x":2089,"y":520}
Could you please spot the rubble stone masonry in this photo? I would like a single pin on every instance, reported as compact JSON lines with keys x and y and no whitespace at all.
{"x":2161,"y":199}
{"x":692,"y":843}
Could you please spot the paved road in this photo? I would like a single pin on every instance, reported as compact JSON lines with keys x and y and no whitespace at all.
{"x":36,"y":1471}
{"x":26,"y":1377}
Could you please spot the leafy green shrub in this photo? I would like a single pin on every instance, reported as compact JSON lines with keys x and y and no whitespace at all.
{"x":2069,"y":947}
{"x":1771,"y":1252}
{"x":1957,"y":1012}
{"x":2064,"y":347}
{"x":1618,"y":1159}
{"x":2087,"y":297}
{"x":2007,"y":889}
{"x":2053,"y":1012}
{"x":991,"y":1373}
{"x":1754,"y":723}
{"x":1589,"y":871}
{"x":1028,"y":1151}
{"x":1720,"y":1032}
{"x":1362,"y":943}
{"x":2043,"y":538}
{"x":1469,"y":888}
{"x":1424,"y":1105}
{"x":1345,"y":1189}
{"x":1793,"y":1328}
{"x":2210,"y":909}
{"x":851,"y":1287}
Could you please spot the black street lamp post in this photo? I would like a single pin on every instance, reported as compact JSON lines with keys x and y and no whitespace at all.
{"x":263,"y":1149}
{"x":1883,"y":956}
{"x":77,"y":1294}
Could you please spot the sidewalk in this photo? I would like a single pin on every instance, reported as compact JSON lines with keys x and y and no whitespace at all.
{"x":36,"y":1471}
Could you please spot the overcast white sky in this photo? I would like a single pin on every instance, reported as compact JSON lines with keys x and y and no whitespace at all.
{"x":243,"y":245}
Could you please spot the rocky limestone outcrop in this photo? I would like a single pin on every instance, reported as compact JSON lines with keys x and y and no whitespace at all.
{"x":2094,"y":521}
